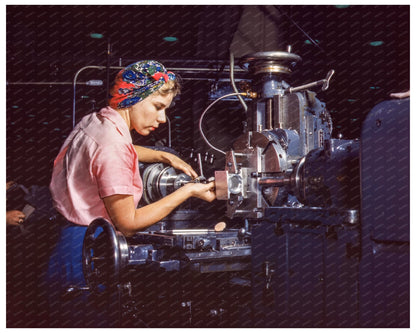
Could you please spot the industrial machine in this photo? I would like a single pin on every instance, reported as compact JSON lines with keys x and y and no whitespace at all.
{"x":288,"y":249}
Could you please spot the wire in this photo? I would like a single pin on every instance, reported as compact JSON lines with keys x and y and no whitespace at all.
{"x":300,"y":29}
{"x":233,"y":82}
{"x":74,"y":83}
{"x":203,"y":115}
{"x":169,"y":133}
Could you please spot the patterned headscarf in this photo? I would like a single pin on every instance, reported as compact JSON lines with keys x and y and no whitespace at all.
{"x":137,"y":81}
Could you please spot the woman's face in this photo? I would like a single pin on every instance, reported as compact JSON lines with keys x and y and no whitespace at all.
{"x":146,"y":115}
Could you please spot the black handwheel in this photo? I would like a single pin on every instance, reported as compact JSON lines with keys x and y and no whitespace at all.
{"x":103,"y":254}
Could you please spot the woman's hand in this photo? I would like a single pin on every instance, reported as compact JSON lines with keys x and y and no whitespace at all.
{"x":178,"y":164}
{"x":202,"y":191}
{"x":148,"y":155}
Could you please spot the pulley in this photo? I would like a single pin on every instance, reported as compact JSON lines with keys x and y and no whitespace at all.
{"x":104,"y":255}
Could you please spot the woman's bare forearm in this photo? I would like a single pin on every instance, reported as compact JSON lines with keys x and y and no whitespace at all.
{"x":147,"y":155}
{"x":130,"y":220}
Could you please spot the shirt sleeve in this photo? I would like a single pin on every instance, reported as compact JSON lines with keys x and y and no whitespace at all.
{"x":114,"y":167}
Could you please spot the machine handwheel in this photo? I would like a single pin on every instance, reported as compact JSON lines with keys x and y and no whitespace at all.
{"x":101,"y":255}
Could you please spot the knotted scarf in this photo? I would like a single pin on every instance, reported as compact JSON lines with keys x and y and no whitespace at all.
{"x":137,"y":81}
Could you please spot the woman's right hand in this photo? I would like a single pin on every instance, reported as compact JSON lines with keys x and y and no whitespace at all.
{"x":202,"y":191}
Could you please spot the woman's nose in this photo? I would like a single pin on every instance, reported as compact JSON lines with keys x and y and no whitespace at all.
{"x":161,"y":117}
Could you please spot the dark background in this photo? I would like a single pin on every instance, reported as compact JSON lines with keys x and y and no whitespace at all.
{"x":47,"y":45}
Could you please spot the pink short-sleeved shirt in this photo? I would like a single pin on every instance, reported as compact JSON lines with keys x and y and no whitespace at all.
{"x":97,"y":160}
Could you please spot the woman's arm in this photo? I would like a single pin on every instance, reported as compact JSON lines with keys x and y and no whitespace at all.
{"x":147,"y":155}
{"x":130,"y":220}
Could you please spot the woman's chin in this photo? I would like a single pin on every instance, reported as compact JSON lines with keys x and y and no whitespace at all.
{"x":144,"y":132}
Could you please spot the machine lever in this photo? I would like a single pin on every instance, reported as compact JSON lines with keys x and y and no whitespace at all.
{"x":324,"y":83}
{"x":74,"y":291}
{"x":201,"y":171}
{"x":325,"y":86}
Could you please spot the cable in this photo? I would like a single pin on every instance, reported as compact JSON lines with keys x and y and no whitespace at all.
{"x":203,"y":115}
{"x":74,"y":83}
{"x":300,"y":29}
{"x":243,"y":103}
{"x":169,"y":133}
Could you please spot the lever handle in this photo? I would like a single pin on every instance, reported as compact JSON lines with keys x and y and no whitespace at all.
{"x":325,"y":86}
{"x":74,"y":291}
{"x":201,"y":171}
{"x":324,"y":83}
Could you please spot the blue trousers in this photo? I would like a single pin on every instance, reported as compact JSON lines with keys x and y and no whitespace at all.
{"x":65,"y":270}
{"x":79,"y":309}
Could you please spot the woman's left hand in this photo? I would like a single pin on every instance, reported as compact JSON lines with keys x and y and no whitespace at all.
{"x":148,"y":155}
{"x":179,"y":164}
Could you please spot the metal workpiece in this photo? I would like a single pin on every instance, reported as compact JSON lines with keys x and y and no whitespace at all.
{"x":160,"y":180}
{"x":257,"y":153}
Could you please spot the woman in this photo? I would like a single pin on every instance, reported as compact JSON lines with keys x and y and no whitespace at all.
{"x":96,"y":173}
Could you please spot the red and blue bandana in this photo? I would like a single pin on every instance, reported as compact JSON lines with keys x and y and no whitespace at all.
{"x":137,"y":81}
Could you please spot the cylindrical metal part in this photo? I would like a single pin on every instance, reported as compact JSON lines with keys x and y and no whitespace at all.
{"x":160,"y":180}
{"x":278,"y":181}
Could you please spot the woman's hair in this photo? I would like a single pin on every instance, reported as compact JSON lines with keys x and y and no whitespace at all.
{"x":170,"y":87}
{"x":139,"y":80}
